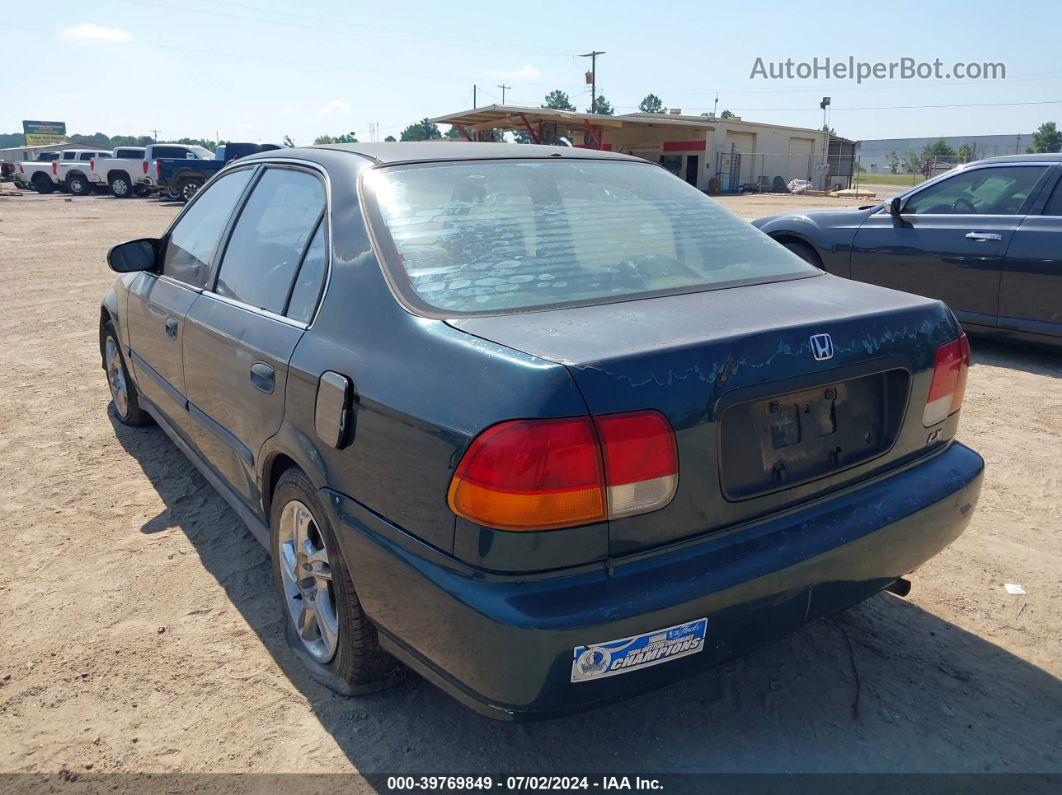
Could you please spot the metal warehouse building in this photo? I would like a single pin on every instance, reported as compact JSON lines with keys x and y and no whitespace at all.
{"x":740,"y":154}
{"x":874,"y":154}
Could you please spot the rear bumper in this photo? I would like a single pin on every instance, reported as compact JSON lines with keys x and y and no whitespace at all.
{"x":504,"y":644}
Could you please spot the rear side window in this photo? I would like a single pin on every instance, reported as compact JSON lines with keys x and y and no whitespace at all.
{"x":133,"y":154}
{"x":307,"y":287}
{"x":195,"y":237}
{"x":1054,"y":204}
{"x":269,"y":238}
{"x":491,"y":236}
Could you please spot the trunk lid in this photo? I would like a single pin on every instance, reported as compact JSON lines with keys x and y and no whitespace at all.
{"x":761,"y":424}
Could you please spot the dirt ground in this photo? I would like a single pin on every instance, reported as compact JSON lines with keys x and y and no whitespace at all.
{"x":138,"y":631}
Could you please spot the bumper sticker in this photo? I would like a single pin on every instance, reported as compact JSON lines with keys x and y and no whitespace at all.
{"x":600,"y":660}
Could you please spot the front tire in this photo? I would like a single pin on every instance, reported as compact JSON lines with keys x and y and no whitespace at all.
{"x":805,"y":252}
{"x":324,"y":623}
{"x":124,"y":396}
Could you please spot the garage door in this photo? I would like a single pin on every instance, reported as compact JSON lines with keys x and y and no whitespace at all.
{"x":744,"y":143}
{"x":801,"y":162}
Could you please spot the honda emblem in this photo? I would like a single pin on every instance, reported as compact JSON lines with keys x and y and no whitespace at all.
{"x":821,"y":347}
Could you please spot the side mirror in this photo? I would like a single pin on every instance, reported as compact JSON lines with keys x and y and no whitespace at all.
{"x":136,"y":255}
{"x":895,"y":205}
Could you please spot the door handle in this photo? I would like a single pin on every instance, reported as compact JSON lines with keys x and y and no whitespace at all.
{"x":263,"y":376}
{"x":983,"y":236}
{"x":171,"y":327}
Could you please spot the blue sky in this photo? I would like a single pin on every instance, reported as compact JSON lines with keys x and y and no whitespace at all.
{"x":257,"y":69}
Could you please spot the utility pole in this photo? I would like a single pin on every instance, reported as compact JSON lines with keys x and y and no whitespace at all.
{"x":474,"y":96}
{"x":155,"y":135}
{"x":503,"y":88}
{"x":593,"y":77}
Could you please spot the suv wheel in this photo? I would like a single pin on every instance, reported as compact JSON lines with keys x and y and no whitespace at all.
{"x":324,"y":623}
{"x":120,"y":186}
{"x":125,"y":398}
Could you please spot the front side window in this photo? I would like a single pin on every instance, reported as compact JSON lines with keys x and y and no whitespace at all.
{"x":1002,"y":190}
{"x":269,"y":238}
{"x":495,"y":236}
{"x":195,"y":237}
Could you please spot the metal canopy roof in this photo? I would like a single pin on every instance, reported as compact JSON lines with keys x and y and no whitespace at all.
{"x":518,"y":117}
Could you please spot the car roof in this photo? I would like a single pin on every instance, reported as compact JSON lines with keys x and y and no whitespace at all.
{"x":429,"y":151}
{"x":1038,"y":157}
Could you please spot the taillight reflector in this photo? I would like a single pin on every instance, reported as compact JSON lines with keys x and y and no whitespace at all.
{"x":548,"y":474}
{"x":946,"y":390}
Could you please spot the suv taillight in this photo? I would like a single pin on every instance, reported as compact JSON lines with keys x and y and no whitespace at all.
{"x":948,"y":386}
{"x":547,"y":474}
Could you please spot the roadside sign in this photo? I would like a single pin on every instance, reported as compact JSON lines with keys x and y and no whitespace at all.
{"x":42,"y":133}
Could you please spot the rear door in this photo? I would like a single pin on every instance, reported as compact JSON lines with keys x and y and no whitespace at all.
{"x":242,"y":332}
{"x":951,"y":238}
{"x":158,"y":303}
{"x":1030,"y":296}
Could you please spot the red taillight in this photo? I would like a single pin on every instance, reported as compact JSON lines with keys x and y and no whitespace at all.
{"x":641,"y":461}
{"x":92,"y":164}
{"x":547,"y":474}
{"x":55,"y":168}
{"x":948,"y":386}
{"x":144,"y":165}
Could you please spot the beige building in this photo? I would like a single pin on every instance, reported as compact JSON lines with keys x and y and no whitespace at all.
{"x":741,"y":154}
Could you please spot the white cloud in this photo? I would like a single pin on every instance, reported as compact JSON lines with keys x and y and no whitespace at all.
{"x":525,"y":72}
{"x":335,"y":106}
{"x":88,"y":31}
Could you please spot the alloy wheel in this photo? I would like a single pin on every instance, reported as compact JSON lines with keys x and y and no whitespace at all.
{"x":307,"y":581}
{"x":116,"y":377}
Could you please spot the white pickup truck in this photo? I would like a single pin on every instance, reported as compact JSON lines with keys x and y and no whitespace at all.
{"x":119,"y":170}
{"x":44,"y":176}
{"x":128,"y":176}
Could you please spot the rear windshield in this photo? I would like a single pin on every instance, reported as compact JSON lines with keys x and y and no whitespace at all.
{"x":494,"y":236}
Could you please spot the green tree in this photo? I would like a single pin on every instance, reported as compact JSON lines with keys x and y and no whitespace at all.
{"x":453,"y":132}
{"x":894,"y":162}
{"x":558,"y":100}
{"x":601,"y":106}
{"x":912,"y":162}
{"x":288,"y":141}
{"x":651,"y":104}
{"x":967,"y":152}
{"x":1047,"y":139}
{"x":389,"y":139}
{"x":346,"y":138}
{"x":422,"y":130}
{"x":938,"y":150}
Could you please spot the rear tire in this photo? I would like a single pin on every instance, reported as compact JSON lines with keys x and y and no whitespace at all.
{"x":124,"y":397}
{"x":121,"y":186}
{"x":323,"y":620}
{"x":805,"y":252}
{"x":189,"y":187}
{"x":78,"y":185}
{"x":42,"y":184}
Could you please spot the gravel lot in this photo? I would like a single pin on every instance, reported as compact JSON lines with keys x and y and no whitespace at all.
{"x":139,"y":632}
